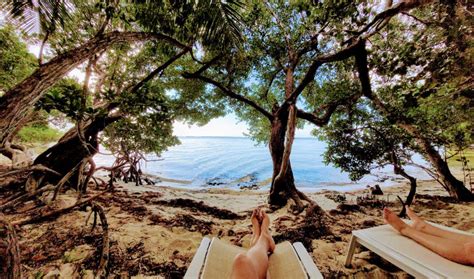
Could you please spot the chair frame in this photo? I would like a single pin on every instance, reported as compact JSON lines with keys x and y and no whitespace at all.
{"x":412,"y":267}
{"x":194,"y":269}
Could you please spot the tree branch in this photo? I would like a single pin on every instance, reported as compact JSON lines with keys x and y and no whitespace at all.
{"x":355,"y":43}
{"x":286,"y":34}
{"x":158,"y":70}
{"x":320,"y":60}
{"x":387,"y":14}
{"x":330,"y":109}
{"x":270,"y":83}
{"x":229,"y":93}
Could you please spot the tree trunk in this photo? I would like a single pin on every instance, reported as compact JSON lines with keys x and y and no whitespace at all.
{"x":455,"y":187}
{"x":10,"y":260}
{"x":19,"y":101}
{"x":284,"y":188}
{"x":70,"y":151}
{"x":411,"y":194}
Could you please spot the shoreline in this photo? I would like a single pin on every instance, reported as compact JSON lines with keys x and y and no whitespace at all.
{"x":264,"y":185}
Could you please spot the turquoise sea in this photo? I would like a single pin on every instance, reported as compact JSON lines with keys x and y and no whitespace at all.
{"x":237,"y":162}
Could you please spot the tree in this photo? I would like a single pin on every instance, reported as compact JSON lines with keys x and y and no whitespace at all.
{"x":281,"y":67}
{"x":420,"y":83}
{"x":129,"y":95}
{"x":360,"y":140}
{"x":17,"y":103}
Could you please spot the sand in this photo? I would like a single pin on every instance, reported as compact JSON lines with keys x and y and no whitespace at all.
{"x":154,"y":231}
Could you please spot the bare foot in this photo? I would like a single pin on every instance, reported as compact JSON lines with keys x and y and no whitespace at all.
{"x":418,"y":223}
{"x":255,"y":226}
{"x":265,"y":230}
{"x":255,"y":221}
{"x":393,"y":220}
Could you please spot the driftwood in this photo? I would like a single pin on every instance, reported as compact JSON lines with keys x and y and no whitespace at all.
{"x":9,"y":251}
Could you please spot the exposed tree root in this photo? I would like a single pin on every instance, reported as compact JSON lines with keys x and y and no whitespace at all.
{"x":127,"y":167}
{"x":40,"y":217}
{"x":13,"y":202}
{"x":9,"y":251}
{"x":17,"y":154}
{"x":17,"y":176}
{"x":298,"y":197}
{"x":104,"y":257}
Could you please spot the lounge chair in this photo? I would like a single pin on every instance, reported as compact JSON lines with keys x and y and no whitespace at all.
{"x":406,"y":254}
{"x":214,"y":259}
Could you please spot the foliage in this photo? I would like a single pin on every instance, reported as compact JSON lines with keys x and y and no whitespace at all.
{"x":147,"y":128}
{"x":361,"y":140}
{"x":421,"y":72}
{"x":38,"y":134}
{"x":215,"y":24}
{"x":51,"y":13}
{"x":16,"y":62}
{"x":145,"y":115}
{"x":65,"y":97}
{"x":272,"y":29}
{"x":423,"y":63}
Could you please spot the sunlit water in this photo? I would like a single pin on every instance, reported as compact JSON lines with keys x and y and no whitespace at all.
{"x":237,"y":162}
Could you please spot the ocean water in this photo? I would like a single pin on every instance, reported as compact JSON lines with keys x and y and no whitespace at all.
{"x":237,"y":162}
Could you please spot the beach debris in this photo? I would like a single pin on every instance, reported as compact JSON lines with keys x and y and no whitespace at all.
{"x":248,"y":187}
{"x":78,"y":253}
{"x":336,"y":197}
{"x":248,"y":182}
{"x":216,"y":181}
{"x":313,"y":226}
{"x":200,"y":206}
{"x":366,"y":223}
{"x":185,"y":221}
{"x":349,"y":207}
{"x":376,"y":190}
{"x":372,"y":202}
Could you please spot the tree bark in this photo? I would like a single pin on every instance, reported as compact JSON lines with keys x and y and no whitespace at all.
{"x":65,"y":155}
{"x":283,"y":188}
{"x":10,"y":260}
{"x":19,"y":101}
{"x":411,"y":194}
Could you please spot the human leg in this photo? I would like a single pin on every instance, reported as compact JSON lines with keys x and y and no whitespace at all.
{"x":254,"y":262}
{"x":454,"y":250}
{"x":423,"y":226}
